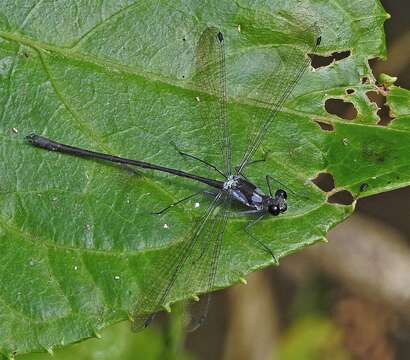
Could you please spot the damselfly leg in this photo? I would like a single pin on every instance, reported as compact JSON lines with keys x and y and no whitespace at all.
{"x":165,"y":209}
{"x":259,"y":242}
{"x":184,"y":154}
{"x":270,"y":179}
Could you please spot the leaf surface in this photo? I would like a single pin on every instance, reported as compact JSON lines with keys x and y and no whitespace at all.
{"x":77,"y":240}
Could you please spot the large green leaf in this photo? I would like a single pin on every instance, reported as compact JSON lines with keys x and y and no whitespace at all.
{"x":77,"y":239}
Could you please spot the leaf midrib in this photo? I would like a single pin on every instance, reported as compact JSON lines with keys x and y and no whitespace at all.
{"x":116,"y":67}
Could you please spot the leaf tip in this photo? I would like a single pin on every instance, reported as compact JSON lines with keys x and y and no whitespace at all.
{"x":243,"y":281}
{"x":387,"y":80}
{"x":195,"y":298}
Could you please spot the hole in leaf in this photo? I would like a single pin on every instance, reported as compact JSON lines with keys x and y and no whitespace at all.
{"x":342,"y":197}
{"x":365,"y":80}
{"x":318,"y":61}
{"x":324,"y":181}
{"x":383,"y":112}
{"x":384,"y":115}
{"x":343,"y":109}
{"x":349,"y":91}
{"x":375,"y":97}
{"x":324,"y":126}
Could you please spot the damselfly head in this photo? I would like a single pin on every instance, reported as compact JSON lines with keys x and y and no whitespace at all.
{"x":278,"y":203}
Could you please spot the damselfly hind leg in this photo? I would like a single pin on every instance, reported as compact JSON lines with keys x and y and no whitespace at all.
{"x":184,"y":154}
{"x":165,"y":209}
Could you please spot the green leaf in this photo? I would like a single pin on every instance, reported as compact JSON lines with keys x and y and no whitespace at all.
{"x":77,"y":240}
{"x":398,"y":101}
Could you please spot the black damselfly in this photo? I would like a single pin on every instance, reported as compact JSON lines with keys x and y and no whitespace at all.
{"x":197,"y":256}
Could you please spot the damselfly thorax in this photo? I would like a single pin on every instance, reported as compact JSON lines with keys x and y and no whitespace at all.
{"x":253,"y":197}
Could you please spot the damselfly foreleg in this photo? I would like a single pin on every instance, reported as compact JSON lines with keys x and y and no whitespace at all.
{"x":259,"y":242}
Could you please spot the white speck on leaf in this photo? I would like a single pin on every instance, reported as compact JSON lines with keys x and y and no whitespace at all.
{"x":116,"y":277}
{"x":166,"y":226}
{"x":5,"y":65}
{"x":15,"y":130}
{"x":196,"y":205}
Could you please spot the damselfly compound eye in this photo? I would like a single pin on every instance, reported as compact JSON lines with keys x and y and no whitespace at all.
{"x":274,"y":210}
{"x":281,"y":193}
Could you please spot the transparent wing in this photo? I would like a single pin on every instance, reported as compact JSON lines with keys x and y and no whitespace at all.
{"x":209,"y":265}
{"x":210,"y":76}
{"x":279,"y":85}
{"x":187,"y":266}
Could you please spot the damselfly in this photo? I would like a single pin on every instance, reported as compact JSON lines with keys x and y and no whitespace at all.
{"x":194,"y":261}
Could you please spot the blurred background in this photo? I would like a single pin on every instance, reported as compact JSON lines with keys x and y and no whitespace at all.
{"x":348,"y":299}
